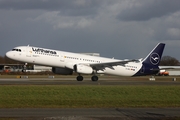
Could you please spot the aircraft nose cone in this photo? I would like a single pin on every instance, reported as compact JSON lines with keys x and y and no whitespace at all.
{"x":9,"y":54}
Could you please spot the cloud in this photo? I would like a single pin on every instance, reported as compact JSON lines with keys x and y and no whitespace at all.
{"x":114,"y":28}
{"x":60,"y":22}
{"x":72,"y":7}
{"x":143,"y":10}
{"x":174,"y":32}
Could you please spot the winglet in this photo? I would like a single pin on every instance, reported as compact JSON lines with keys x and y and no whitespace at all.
{"x":154,"y":57}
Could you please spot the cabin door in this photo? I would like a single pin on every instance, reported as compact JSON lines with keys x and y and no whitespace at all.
{"x":62,"y":58}
{"x":28,"y":51}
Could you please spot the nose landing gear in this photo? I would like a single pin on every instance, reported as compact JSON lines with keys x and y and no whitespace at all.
{"x":24,"y":67}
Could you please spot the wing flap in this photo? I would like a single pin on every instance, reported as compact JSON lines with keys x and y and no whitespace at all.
{"x":102,"y":66}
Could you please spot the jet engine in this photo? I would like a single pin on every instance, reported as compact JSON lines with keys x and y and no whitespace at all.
{"x":84,"y":69}
{"x":62,"y":71}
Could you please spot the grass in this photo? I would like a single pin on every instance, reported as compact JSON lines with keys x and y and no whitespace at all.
{"x":70,"y":96}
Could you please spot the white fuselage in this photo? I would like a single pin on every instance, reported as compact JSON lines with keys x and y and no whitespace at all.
{"x":55,"y":58}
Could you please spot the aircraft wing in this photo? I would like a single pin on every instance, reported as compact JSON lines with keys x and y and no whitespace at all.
{"x":168,"y":67}
{"x":101,"y":66}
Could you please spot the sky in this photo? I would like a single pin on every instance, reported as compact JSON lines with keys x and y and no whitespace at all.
{"x":123,"y":29}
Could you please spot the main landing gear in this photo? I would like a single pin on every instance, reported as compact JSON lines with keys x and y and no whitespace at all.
{"x":79,"y":78}
{"x":93,"y":78}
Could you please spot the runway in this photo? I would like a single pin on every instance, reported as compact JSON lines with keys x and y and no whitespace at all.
{"x":87,"y":81}
{"x":89,"y":113}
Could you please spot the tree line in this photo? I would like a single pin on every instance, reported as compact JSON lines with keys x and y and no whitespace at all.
{"x":165,"y":61}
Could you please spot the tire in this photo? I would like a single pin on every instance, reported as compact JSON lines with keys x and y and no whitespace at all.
{"x":79,"y":78}
{"x":94,"y":78}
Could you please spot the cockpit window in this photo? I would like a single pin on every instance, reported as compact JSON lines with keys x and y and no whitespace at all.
{"x":19,"y":50}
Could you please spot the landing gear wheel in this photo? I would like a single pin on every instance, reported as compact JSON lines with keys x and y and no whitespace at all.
{"x":94,"y":78}
{"x":79,"y":78}
{"x":23,"y":70}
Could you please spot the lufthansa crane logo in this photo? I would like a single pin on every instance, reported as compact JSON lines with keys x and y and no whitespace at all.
{"x":154,"y":58}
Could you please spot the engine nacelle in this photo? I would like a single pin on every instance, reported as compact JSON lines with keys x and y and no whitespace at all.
{"x":62,"y":71}
{"x":80,"y":68}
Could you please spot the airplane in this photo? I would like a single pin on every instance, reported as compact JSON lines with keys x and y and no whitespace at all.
{"x":65,"y":63}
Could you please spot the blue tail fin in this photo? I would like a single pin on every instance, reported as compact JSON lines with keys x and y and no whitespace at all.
{"x":151,"y":62}
{"x":154,"y":57}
